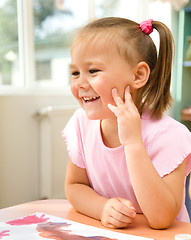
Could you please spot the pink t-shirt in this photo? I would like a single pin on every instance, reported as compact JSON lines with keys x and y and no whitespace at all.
{"x":167,"y":141}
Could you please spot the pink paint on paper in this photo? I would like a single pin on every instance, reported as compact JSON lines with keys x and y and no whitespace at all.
{"x":4,"y":233}
{"x":32,"y":219}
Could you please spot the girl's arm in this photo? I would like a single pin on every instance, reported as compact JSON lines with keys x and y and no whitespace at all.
{"x":159,"y":198}
{"x":113,"y":213}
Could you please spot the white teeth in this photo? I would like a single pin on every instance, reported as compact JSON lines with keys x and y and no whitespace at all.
{"x":90,"y":99}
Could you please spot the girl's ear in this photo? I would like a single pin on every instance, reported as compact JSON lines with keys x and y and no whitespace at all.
{"x":141,"y":72}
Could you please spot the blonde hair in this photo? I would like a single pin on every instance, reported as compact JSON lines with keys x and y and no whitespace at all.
{"x":136,"y":46}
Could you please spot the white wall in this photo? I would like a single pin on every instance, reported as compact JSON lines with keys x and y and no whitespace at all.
{"x":19,"y":146}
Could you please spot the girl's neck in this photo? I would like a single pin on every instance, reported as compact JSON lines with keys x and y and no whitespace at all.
{"x":109,"y":132}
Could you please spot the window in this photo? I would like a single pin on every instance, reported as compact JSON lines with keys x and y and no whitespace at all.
{"x":35,"y":44}
{"x":55,"y":22}
{"x":36,"y":38}
{"x":9,"y":55}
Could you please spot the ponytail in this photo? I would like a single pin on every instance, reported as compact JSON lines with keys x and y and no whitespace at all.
{"x":156,"y":93}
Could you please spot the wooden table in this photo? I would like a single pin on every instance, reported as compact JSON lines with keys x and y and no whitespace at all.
{"x":62,"y":208}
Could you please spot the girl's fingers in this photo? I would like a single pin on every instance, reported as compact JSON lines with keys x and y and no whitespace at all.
{"x":124,"y":208}
{"x":114,"y":109}
{"x":120,"y":105}
{"x":119,"y":102}
{"x":118,"y":224}
{"x":128,"y":99}
{"x":127,"y":94}
{"x":118,"y":219}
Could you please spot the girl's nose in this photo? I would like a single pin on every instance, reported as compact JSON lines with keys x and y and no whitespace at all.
{"x":82,"y":82}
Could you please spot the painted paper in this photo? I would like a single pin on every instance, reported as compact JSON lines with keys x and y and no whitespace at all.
{"x":39,"y":226}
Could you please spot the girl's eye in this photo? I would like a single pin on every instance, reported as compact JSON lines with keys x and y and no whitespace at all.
{"x":75,"y":73}
{"x":92,"y":71}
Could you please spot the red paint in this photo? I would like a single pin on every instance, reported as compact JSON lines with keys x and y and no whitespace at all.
{"x":4,"y":233}
{"x":32,"y":219}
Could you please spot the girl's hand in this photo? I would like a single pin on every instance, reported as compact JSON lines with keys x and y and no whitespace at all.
{"x":118,"y":213}
{"x":128,"y":118}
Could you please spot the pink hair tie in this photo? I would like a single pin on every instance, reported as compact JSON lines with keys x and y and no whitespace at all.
{"x":146,"y":26}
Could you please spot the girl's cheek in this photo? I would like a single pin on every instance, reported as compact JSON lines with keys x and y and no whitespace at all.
{"x":74,"y":92}
{"x":106,"y":95}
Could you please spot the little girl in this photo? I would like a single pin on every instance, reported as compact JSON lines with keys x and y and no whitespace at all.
{"x":126,"y":156}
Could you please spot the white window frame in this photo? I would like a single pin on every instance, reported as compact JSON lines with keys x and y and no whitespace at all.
{"x":27,"y":54}
{"x":26,"y":50}
{"x":26,"y":42}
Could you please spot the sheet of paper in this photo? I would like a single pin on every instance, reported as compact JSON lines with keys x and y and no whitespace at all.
{"x":42,"y":226}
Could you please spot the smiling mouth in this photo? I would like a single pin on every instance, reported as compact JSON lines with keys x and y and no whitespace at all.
{"x":91,"y":99}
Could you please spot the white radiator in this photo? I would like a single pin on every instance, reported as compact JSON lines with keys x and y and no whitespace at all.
{"x":53,"y":152}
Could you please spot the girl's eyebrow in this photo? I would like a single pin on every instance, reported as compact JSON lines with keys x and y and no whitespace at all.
{"x":72,"y":66}
{"x":89,"y":64}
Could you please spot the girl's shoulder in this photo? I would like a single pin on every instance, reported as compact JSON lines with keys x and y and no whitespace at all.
{"x":165,"y":125}
{"x":168,"y":143}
